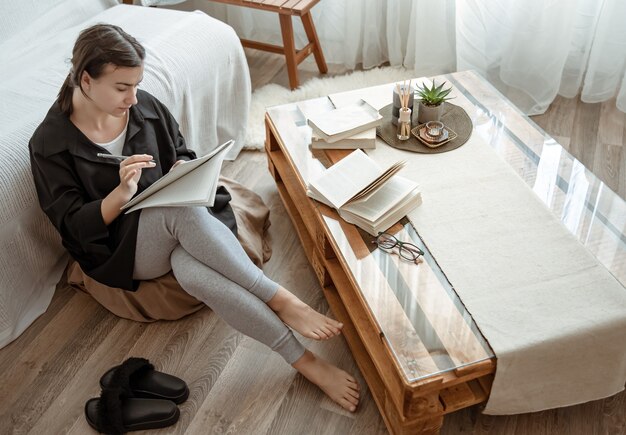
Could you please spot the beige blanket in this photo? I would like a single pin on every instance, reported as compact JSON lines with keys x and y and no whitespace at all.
{"x":163,"y":298}
{"x":554,"y":316}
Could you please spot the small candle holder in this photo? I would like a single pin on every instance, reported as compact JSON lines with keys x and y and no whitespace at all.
{"x":434,"y":129}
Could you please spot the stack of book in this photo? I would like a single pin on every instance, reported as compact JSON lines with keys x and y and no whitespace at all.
{"x":348,"y":127}
{"x":364,"y":194}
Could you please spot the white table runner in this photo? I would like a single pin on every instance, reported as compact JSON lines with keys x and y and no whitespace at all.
{"x":554,"y":316}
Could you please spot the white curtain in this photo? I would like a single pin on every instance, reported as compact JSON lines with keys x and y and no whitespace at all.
{"x":534,"y":49}
{"x":530,"y":50}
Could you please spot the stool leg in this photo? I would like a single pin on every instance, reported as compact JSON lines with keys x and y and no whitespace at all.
{"x":286,"y":27}
{"x":309,"y":28}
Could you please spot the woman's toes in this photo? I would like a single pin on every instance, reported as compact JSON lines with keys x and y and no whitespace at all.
{"x":353,"y":394}
{"x":334,"y":330}
{"x":352,"y":400}
{"x":335,"y":325}
{"x":329,"y":332}
{"x":315,"y":335}
{"x":322,"y":334}
{"x":345,"y":404}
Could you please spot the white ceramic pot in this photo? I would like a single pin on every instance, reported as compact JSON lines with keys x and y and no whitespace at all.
{"x":429,"y":113}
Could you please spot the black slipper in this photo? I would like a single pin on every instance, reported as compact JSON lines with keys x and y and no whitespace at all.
{"x":113,"y":413}
{"x":139,"y":376}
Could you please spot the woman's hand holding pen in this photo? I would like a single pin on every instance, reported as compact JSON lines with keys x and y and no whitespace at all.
{"x":130,"y":172}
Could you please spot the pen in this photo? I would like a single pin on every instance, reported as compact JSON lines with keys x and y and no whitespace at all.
{"x":116,"y":157}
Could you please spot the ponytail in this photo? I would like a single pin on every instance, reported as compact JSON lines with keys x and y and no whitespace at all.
{"x":65,"y":95}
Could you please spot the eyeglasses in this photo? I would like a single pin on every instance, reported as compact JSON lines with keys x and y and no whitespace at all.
{"x":407,"y":251}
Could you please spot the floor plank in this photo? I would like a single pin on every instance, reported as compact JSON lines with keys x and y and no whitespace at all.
{"x":593,"y":134}
{"x":238,"y":386}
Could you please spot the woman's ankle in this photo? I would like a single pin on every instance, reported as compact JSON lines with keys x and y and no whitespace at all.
{"x":280,"y":299}
{"x":304,"y":361}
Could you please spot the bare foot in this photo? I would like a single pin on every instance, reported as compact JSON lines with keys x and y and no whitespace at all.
{"x":337,"y":384}
{"x":302,"y":318}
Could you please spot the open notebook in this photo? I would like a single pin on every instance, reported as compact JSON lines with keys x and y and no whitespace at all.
{"x":191,"y":184}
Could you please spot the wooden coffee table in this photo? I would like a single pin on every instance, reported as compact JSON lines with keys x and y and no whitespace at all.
{"x":416,"y":345}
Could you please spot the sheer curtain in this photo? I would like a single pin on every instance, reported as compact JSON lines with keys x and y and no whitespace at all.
{"x":531,"y":50}
{"x":536,"y":49}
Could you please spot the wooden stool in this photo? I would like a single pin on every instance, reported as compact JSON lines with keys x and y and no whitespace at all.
{"x":285,"y":10}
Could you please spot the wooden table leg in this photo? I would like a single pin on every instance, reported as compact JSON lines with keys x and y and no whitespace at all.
{"x":309,"y":28}
{"x":286,"y":28}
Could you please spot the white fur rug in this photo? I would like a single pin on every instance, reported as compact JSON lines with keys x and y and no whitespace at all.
{"x":272,"y":95}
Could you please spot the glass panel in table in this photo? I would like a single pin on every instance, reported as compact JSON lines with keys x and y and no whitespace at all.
{"x":428,"y":329}
{"x":591,"y":211}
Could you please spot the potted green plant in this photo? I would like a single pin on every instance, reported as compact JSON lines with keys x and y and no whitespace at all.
{"x":431,"y":101}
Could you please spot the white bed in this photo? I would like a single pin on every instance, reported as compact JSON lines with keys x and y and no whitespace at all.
{"x":195,"y":65}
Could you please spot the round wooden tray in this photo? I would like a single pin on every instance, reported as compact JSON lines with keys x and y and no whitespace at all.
{"x":454,"y":118}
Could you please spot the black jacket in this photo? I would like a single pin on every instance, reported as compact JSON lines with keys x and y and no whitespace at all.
{"x":71,"y":182}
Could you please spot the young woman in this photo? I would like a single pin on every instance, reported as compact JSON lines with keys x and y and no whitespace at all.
{"x":100,"y":110}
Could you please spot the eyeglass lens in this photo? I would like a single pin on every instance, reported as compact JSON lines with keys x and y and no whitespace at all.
{"x":386,"y":241}
{"x":408,"y":251}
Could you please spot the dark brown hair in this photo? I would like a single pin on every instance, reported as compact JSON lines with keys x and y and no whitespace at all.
{"x":96,"y":47}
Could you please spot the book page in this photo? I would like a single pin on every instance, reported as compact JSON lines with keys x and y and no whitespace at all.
{"x":345,"y":118}
{"x":189,"y":191}
{"x":345,"y":179}
{"x":397,"y":212}
{"x":379,"y":182}
{"x":376,"y":96}
{"x":367,"y":134}
{"x":383,"y":200}
{"x":197,"y":188}
{"x":363,"y":140}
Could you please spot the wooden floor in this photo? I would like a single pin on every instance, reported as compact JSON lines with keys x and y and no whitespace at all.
{"x":238,"y":386}
{"x":593,"y":133}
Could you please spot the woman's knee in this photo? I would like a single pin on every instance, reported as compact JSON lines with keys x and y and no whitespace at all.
{"x":197,"y":218}
{"x":184,"y":267}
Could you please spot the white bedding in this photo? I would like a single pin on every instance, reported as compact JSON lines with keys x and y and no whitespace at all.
{"x":195,"y":65}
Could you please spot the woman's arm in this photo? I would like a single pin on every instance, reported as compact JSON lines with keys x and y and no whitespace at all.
{"x":80,"y":221}
{"x":64,"y":200}
{"x":130,"y":173}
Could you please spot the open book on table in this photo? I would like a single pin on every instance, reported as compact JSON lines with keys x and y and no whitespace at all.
{"x":364,"y":194}
{"x":193,"y":183}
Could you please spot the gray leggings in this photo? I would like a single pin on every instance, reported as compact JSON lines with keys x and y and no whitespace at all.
{"x":210,"y":264}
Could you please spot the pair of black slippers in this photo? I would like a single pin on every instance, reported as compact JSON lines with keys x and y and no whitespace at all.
{"x":135,"y":396}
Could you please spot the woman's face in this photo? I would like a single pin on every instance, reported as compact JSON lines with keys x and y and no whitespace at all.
{"x":115,"y":91}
